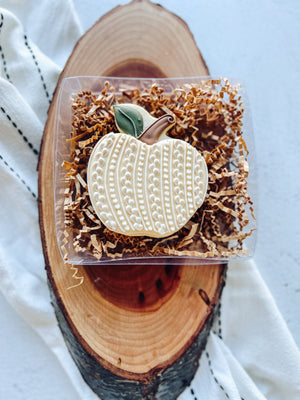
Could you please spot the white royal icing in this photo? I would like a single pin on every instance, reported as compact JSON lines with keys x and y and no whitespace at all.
{"x":138,"y":189}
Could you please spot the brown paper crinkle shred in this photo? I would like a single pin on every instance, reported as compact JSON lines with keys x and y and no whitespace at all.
{"x":208,"y":116}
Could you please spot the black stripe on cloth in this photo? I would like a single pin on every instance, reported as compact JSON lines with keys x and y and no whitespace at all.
{"x":30,"y":145}
{"x":2,"y":53}
{"x":213,"y":375}
{"x":218,"y":330}
{"x":193,"y":394}
{"x":220,"y":333}
{"x":220,"y":322}
{"x":38,"y":68}
{"x":215,"y":379}
{"x":18,"y":176}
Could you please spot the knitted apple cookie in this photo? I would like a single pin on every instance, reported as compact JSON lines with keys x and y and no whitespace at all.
{"x":142,"y":183}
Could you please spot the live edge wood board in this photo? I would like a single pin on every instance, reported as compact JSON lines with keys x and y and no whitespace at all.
{"x":135,"y":332}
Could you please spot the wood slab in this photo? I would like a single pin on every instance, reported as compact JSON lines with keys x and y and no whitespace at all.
{"x":135,"y":332}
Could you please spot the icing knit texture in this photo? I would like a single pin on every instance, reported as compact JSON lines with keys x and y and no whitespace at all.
{"x":145,"y":190}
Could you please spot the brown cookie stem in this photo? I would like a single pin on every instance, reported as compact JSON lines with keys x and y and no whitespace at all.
{"x":155,"y":130}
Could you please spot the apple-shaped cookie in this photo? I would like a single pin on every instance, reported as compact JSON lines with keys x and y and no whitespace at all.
{"x":139,"y":189}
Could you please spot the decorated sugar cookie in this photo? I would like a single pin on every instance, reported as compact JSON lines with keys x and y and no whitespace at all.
{"x":142,"y":183}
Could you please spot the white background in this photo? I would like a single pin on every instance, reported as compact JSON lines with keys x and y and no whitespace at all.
{"x":258,"y":42}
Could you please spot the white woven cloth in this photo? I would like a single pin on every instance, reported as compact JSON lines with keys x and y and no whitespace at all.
{"x":249,"y":355}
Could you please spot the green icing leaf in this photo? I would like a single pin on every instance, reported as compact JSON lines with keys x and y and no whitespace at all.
{"x":128,"y":120}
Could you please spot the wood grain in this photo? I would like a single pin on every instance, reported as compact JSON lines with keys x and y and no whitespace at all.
{"x":133,"y":330}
